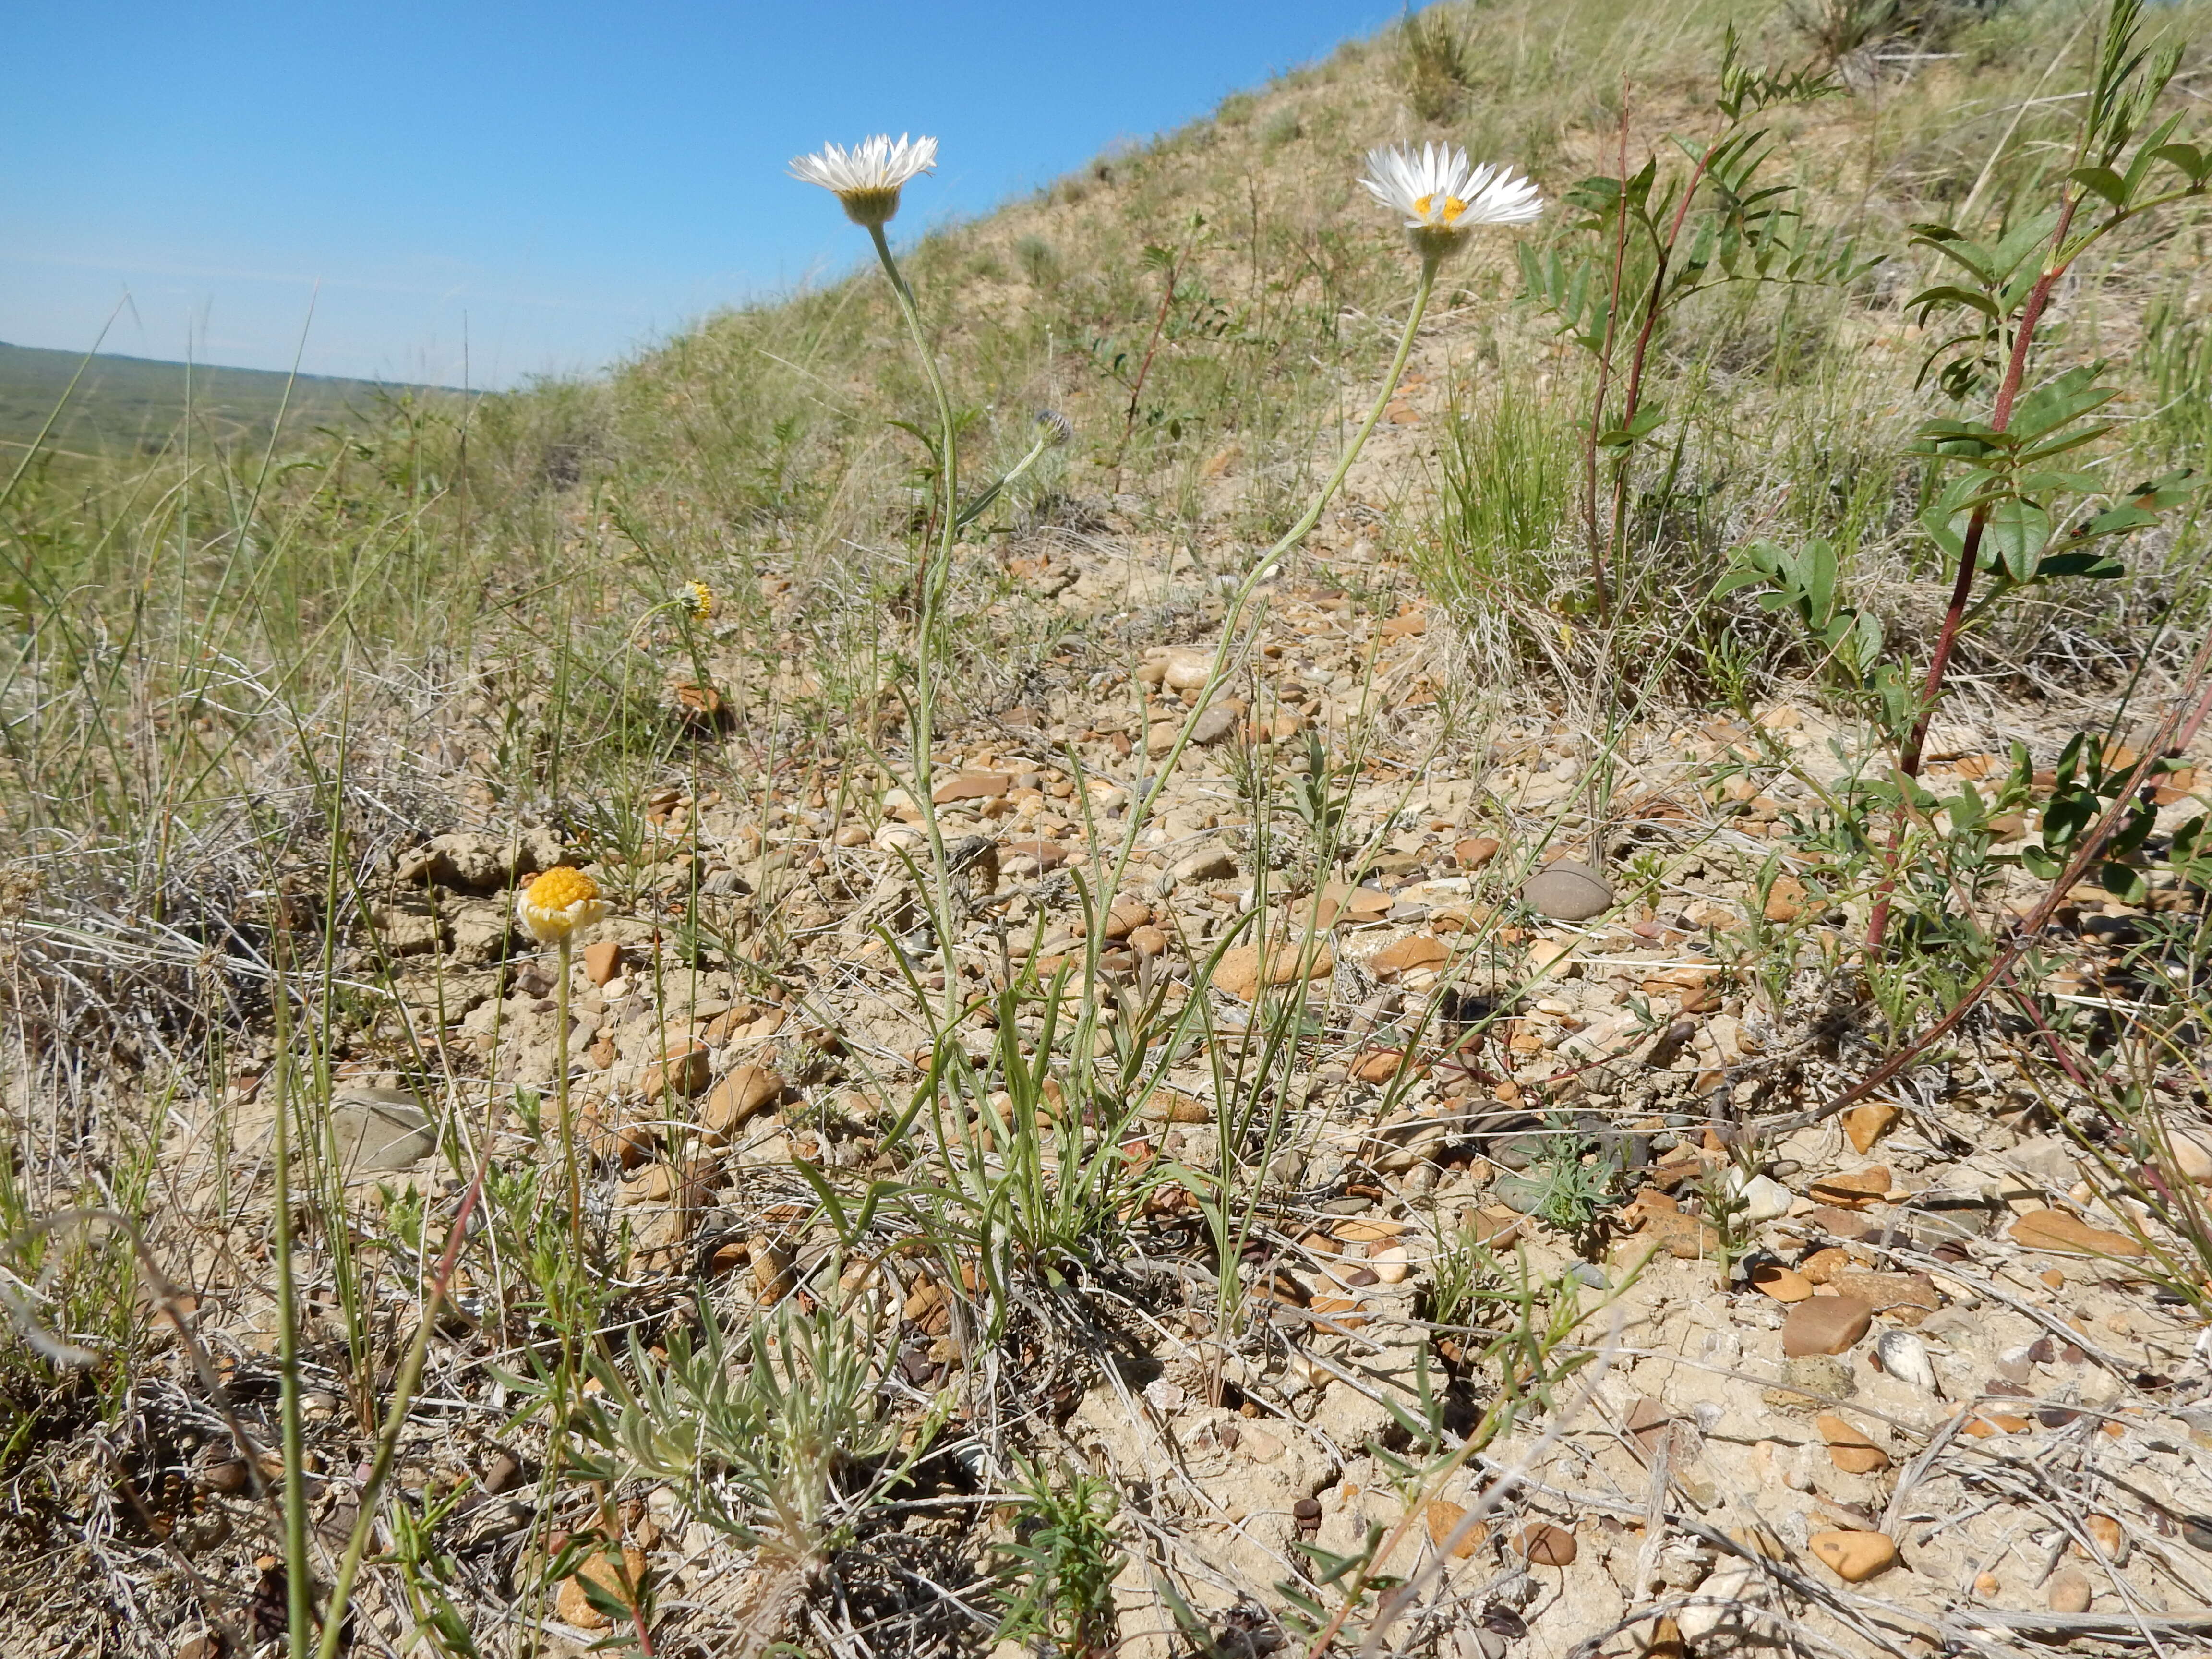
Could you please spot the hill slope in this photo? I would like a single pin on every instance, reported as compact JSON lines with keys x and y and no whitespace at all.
{"x":1441,"y":1088}
{"x":126,"y":403}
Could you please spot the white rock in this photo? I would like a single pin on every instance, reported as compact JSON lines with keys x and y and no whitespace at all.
{"x":1905,"y":1356}
{"x":1765,"y":1198}
{"x":2192,"y":1157}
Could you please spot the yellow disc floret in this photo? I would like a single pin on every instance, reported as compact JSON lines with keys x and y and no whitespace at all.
{"x":558,"y":903}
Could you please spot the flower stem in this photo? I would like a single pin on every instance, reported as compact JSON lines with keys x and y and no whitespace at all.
{"x":561,"y":1100}
{"x":936,"y":572}
{"x":1260,"y":571}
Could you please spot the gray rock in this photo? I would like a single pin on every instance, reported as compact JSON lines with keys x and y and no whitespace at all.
{"x":1567,"y":891}
{"x":480,"y":863}
{"x":1213,"y":725}
{"x":379,"y":1131}
{"x":1208,"y":864}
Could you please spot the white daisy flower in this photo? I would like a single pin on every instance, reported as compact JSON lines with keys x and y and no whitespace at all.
{"x":868,"y":177}
{"x":1443,"y":196}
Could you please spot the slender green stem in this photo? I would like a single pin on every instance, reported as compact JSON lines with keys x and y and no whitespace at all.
{"x":1265,"y":567}
{"x":299,"y":1581}
{"x":402,"y":1396}
{"x":935,"y":574}
{"x":561,"y":1101}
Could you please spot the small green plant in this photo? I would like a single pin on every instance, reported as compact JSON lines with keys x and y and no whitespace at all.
{"x":1055,"y":1576}
{"x":1433,"y":63}
{"x":1644,"y":244}
{"x":757,"y":1439}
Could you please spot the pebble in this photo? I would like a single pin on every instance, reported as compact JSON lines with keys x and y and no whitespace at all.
{"x":1390,"y":1263}
{"x":1445,"y":1517}
{"x":573,"y":1606}
{"x":2068,"y":1591}
{"x":2057,"y":1232}
{"x":1417,"y":951}
{"x":683,"y":1067}
{"x":1825,"y":1324}
{"x":1905,"y":1356}
{"x":1866,"y":1124}
{"x":1567,"y":891}
{"x":2193,"y":1157}
{"x":1475,"y":851}
{"x":1849,"y":1449}
{"x":1857,"y":1189}
{"x":602,"y":961}
{"x":1543,"y":1545}
{"x":1765,"y":1198}
{"x":745,"y":1090}
{"x":1854,"y":1557}
{"x":1783,"y":1284}
{"x":2106,"y":1533}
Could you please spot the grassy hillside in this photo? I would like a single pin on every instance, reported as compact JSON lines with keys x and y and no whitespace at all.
{"x":125,"y":404}
{"x":1509,"y":965}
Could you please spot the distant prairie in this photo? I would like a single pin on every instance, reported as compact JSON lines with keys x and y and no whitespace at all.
{"x":124,"y":404}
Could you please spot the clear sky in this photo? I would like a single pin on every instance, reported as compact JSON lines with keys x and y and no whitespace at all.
{"x":557,"y":184}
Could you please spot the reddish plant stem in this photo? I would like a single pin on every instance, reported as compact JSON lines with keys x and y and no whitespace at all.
{"x":1144,"y":368}
{"x":1652,"y":306}
{"x":1962,"y":586}
{"x":1605,"y":378}
{"x":2174,"y":732}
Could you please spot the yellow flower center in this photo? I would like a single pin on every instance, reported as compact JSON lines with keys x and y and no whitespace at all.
{"x":561,"y":887}
{"x":1452,"y":208}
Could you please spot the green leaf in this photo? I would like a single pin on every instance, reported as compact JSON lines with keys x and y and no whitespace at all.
{"x":2016,"y":531}
{"x":2104,"y":181}
{"x":1950,"y":294}
{"x":2096,"y":567}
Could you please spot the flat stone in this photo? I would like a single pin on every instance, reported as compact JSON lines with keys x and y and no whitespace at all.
{"x":1866,"y":1124}
{"x":572,"y":1604}
{"x":1416,"y":950}
{"x":1567,"y":891}
{"x":745,"y":1090}
{"x":1543,"y":1545}
{"x":1238,"y":972}
{"x":1825,"y":1324}
{"x":2062,"y":1234}
{"x":1444,"y":1518}
{"x":1215,"y":863}
{"x":971,"y":785}
{"x":2067,"y":1591}
{"x":1048,"y":854}
{"x":1855,"y":1189}
{"x":379,"y":1131}
{"x":1849,"y":1449}
{"x":1475,"y":852}
{"x":1378,"y":1065}
{"x":1783,"y":1284}
{"x":602,"y":960}
{"x":681,"y":1067}
{"x":1910,"y":1298}
{"x":1215,"y":724}
{"x":1854,"y":1557}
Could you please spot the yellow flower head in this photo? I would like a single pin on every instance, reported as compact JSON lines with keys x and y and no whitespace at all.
{"x":703,"y":603}
{"x":557,"y":903}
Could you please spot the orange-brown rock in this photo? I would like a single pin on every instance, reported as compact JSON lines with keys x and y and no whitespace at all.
{"x":1849,"y":1449}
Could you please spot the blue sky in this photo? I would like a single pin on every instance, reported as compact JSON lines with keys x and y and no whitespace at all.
{"x":557,"y":184}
